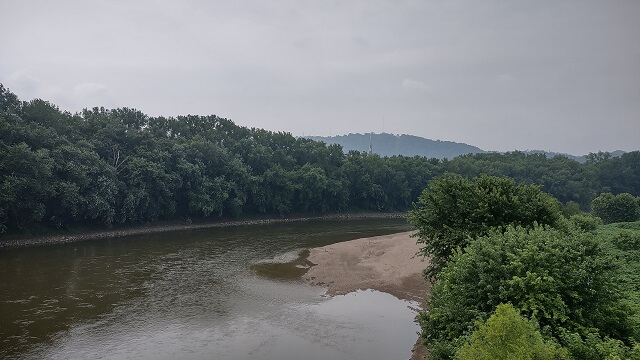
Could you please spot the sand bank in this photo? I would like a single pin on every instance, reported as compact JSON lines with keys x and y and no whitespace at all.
{"x":386,"y":263}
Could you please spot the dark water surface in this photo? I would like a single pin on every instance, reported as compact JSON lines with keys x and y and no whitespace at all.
{"x":193,"y":295}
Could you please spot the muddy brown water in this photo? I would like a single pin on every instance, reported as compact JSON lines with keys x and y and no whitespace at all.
{"x":194,"y":295}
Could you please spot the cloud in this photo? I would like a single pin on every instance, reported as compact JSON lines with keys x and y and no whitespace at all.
{"x":24,"y":82}
{"x":361,"y":42}
{"x":92,"y":94}
{"x":73,"y":98}
{"x":505,"y":78}
{"x":412,"y":84}
{"x":89,"y":89}
{"x":476,"y":73}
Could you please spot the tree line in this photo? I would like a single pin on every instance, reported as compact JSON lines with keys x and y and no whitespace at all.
{"x":103,"y":166}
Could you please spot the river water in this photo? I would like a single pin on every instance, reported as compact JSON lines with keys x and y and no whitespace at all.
{"x":193,"y":295}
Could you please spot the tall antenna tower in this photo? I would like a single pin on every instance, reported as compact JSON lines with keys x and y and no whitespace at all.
{"x":370,"y":145}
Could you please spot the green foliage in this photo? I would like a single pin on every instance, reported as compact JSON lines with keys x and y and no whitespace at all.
{"x":622,"y":241}
{"x":25,"y":184}
{"x":616,"y":208}
{"x":571,"y":208}
{"x":585,"y":222}
{"x":507,"y":335}
{"x":565,"y":280}
{"x":629,"y":226}
{"x":564,"y":179}
{"x":593,"y":347}
{"x":120,"y":166}
{"x":453,"y":210}
{"x":106,"y":166}
{"x":627,"y":240}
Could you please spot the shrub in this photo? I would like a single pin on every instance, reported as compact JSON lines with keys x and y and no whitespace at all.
{"x":507,"y":335}
{"x":627,"y":240}
{"x":585,"y":222}
{"x":571,"y":208}
{"x":453,"y":210}
{"x":616,"y":208}
{"x":563,"y":279}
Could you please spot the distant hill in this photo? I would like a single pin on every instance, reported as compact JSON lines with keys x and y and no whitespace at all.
{"x":579,"y":158}
{"x":408,"y":145}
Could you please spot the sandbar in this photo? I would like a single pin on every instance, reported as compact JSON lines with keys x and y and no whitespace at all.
{"x":385,"y":263}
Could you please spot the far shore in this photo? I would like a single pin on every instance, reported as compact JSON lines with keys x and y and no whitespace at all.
{"x":17,"y":242}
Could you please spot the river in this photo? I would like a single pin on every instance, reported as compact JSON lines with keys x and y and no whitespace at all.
{"x":193,"y":295}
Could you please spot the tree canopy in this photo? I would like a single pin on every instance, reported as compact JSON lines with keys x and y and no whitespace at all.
{"x":507,"y":335}
{"x":616,"y":208}
{"x":103,"y":166}
{"x":564,"y":279}
{"x":454,"y":210}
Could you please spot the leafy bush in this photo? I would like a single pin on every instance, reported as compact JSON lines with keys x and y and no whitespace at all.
{"x":453,"y":210}
{"x":593,"y":347}
{"x":629,"y":225}
{"x":571,"y":208}
{"x":563,"y":279}
{"x":616,"y":208}
{"x":507,"y":335}
{"x":585,"y":222}
{"x":627,"y":240}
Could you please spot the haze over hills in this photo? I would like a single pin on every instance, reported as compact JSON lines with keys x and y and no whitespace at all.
{"x":410,"y":145}
{"x":407,"y":145}
{"x":578,"y":158}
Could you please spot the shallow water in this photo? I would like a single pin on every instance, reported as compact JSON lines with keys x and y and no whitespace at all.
{"x":193,"y":295}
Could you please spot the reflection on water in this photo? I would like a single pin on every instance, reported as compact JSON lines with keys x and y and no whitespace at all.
{"x":192,"y":295}
{"x":290,"y":266}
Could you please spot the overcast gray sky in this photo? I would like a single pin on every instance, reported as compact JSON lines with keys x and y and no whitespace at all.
{"x":501,"y":75}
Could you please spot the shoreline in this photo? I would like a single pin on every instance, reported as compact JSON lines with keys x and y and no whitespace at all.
{"x":386,"y":263}
{"x":163,"y":228}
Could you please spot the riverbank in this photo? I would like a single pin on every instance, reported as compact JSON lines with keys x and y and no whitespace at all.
{"x":385,"y":263}
{"x":164,"y":227}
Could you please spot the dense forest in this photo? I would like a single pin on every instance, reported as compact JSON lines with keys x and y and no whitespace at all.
{"x":579,"y":158}
{"x":108,"y":166}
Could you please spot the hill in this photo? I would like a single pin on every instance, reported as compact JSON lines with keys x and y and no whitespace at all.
{"x":408,"y":145}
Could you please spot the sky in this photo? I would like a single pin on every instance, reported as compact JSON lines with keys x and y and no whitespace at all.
{"x":501,"y":75}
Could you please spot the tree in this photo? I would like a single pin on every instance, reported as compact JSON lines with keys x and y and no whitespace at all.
{"x":571,"y":208}
{"x":585,"y":222}
{"x":310,"y":190}
{"x":104,"y":166}
{"x":273,"y":191}
{"x":616,"y":208}
{"x":454,"y":210}
{"x":564,"y":279}
{"x":507,"y":335}
{"x":25,"y":178}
